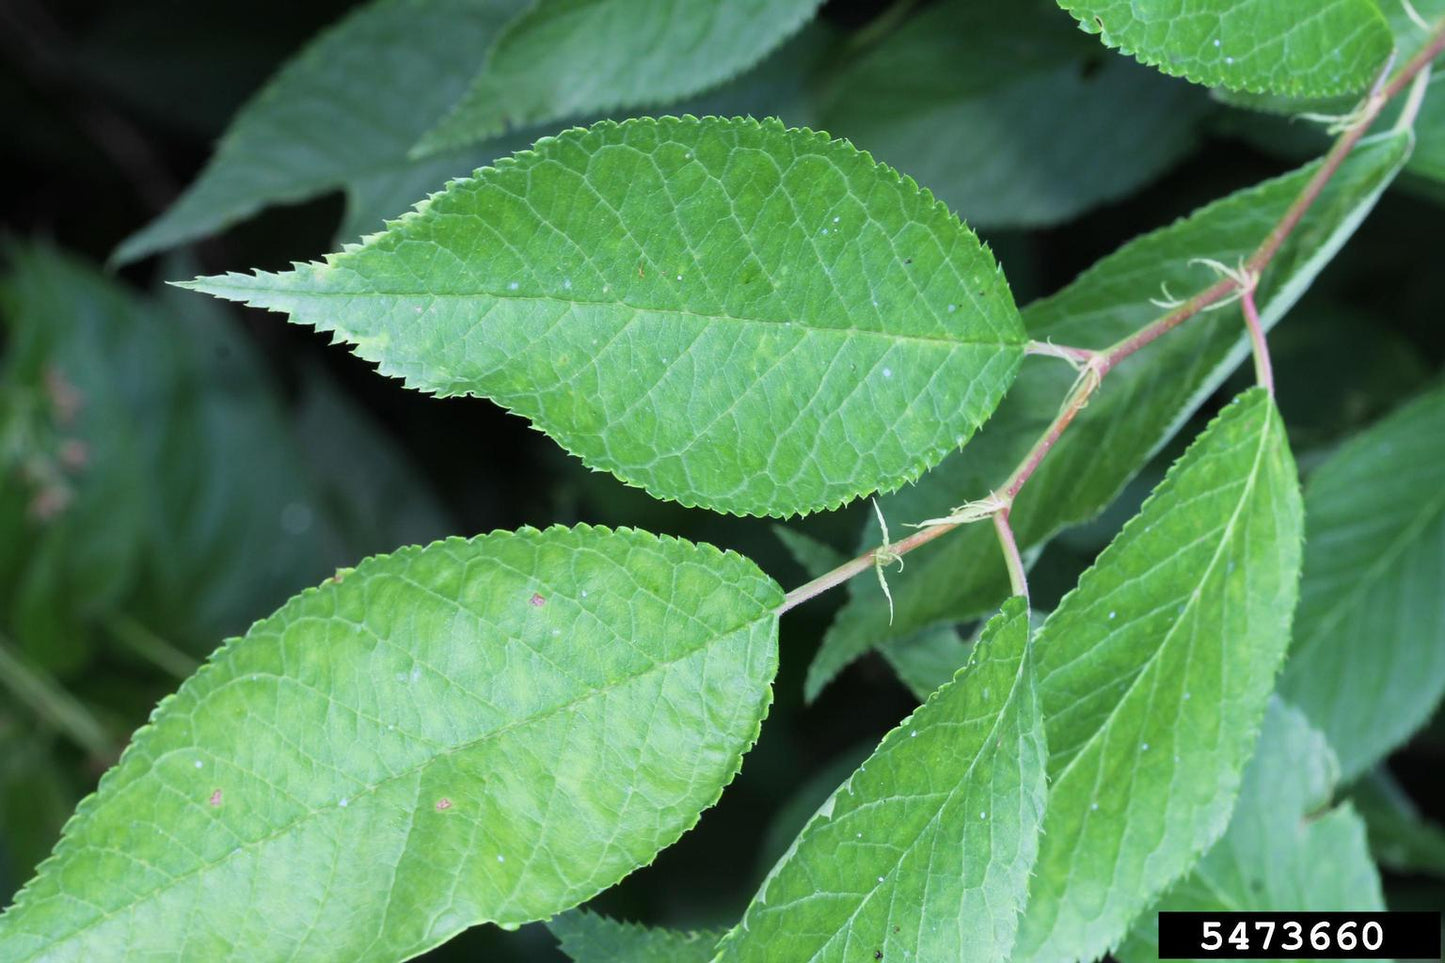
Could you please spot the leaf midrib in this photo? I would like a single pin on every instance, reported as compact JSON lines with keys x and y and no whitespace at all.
{"x":952,"y":794}
{"x":709,"y":317}
{"x":464,"y":746}
{"x":1265,"y":432}
{"x":1194,"y":596}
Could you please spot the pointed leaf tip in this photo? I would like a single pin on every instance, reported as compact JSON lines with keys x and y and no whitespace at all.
{"x":728,"y":313}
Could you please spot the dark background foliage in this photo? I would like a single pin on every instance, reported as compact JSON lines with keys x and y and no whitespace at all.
{"x":111,"y":108}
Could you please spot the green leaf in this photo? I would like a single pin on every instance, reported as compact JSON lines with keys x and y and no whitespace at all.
{"x":1306,"y":48}
{"x":1142,"y":404}
{"x":798,"y":807}
{"x":1400,"y":837}
{"x":493,"y":729}
{"x":348,"y":107}
{"x":34,"y":801}
{"x":590,"y":938}
{"x":725,"y":313}
{"x":572,"y":58}
{"x":955,"y":97}
{"x":1153,"y":676}
{"x":1284,"y":850}
{"x":777,"y":87}
{"x":924,"y":853}
{"x":814,"y":556}
{"x":1429,"y":157}
{"x":928,"y":659}
{"x":234,"y":525}
{"x":1368,"y":661}
{"x":69,"y":451}
{"x":1408,"y":40}
{"x":1287,"y":136}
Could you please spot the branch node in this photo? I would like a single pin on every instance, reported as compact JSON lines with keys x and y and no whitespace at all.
{"x":975,"y":511}
{"x":884,"y":556}
{"x":1336,"y":124}
{"x":1091,"y":376}
{"x":1243,"y":278}
{"x":1364,"y":113}
{"x":1076,"y":357}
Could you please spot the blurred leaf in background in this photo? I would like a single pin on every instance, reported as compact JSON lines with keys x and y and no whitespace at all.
{"x":158,"y":492}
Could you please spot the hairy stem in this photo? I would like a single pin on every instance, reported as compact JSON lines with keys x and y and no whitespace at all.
{"x":1156,"y":329}
{"x":1084,"y":388}
{"x":860,"y":564}
{"x":1369,"y":113}
{"x":1075,"y":356}
{"x":1096,"y":364}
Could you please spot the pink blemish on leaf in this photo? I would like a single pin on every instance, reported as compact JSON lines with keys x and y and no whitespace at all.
{"x":538,"y":600}
{"x":216,"y":798}
{"x":443,"y":804}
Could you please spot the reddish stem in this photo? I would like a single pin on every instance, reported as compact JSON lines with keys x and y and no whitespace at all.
{"x":1100,"y":363}
{"x":1075,"y":404}
{"x":1263,"y":370}
{"x":860,"y":564}
{"x":1155,"y":330}
{"x":1017,"y":577}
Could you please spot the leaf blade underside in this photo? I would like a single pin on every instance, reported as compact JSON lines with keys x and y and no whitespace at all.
{"x":1154,"y":674}
{"x":467,"y":732}
{"x":1286,"y":849}
{"x":1368,"y":662}
{"x":924,"y":852}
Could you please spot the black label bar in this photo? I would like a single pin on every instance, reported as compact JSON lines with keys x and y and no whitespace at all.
{"x":1299,"y":936}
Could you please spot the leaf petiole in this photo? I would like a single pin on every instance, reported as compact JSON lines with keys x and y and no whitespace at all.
{"x":1235,"y":284}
